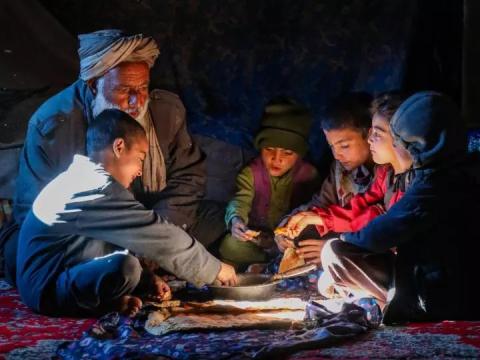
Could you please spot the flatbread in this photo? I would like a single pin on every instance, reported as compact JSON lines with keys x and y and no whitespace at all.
{"x":281,"y":231}
{"x":284,"y":313}
{"x":155,"y":318}
{"x":252,"y":233}
{"x":164,"y":304}
{"x":290,"y":260}
{"x":167,"y":295}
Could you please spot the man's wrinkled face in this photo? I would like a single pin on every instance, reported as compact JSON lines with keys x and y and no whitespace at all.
{"x":381,"y":141}
{"x":349,"y":147}
{"x":277,"y":160}
{"x":125,"y":87}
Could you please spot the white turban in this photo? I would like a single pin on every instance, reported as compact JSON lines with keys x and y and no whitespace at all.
{"x":102,"y":50}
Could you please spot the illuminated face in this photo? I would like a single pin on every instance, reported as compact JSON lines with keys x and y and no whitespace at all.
{"x":277,"y":160}
{"x":381,"y":141}
{"x":349,"y":147}
{"x":128,"y":161}
{"x":125,"y":87}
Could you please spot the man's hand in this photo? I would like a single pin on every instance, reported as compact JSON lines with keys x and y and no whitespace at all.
{"x":310,"y":250}
{"x":300,"y":221}
{"x":283,"y":243}
{"x":240,"y":230}
{"x":227,"y":276}
{"x":158,"y":289}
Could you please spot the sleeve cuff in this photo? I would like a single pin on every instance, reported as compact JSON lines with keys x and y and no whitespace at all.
{"x":327,"y":221}
{"x":208,"y":273}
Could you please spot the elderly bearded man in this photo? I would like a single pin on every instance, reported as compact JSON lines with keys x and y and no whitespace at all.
{"x":114,"y":73}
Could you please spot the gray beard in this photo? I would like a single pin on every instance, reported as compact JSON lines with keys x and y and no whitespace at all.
{"x":100,"y":103}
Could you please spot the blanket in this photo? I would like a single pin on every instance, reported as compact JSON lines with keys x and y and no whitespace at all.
{"x":115,"y":336}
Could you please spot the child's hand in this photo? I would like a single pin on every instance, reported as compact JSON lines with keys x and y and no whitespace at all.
{"x":300,"y":221}
{"x":227,"y":275}
{"x":311,"y":249}
{"x":283,"y":243}
{"x":240,"y":230}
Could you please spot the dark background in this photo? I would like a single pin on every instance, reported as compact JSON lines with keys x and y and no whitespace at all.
{"x":227,"y":58}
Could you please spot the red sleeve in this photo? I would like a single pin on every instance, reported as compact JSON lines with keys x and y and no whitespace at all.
{"x":361,"y":209}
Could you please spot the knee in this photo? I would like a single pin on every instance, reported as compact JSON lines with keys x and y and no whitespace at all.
{"x":131,"y":268}
{"x":240,"y":253}
{"x":330,"y":253}
{"x":128,"y":268}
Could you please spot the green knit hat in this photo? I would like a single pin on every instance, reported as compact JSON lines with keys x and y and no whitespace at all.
{"x":285,"y":124}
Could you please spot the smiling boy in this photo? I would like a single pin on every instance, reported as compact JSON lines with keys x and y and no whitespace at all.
{"x":79,"y":244}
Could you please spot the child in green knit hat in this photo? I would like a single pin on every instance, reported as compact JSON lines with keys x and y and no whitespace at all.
{"x":270,"y":185}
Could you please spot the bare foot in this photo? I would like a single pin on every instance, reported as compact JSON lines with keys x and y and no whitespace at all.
{"x":158,"y":289}
{"x":152,"y":287}
{"x":128,"y":305}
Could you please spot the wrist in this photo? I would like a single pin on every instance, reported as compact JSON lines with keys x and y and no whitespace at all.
{"x":236,"y":220}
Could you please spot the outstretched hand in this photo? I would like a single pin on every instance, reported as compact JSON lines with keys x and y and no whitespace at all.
{"x":227,"y":275}
{"x":301,"y":220}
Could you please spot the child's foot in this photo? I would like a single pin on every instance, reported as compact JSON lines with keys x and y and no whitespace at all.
{"x":152,"y":287}
{"x":128,"y":305}
{"x":159,"y":289}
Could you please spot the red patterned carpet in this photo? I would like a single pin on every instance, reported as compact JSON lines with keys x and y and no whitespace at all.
{"x":30,"y":335}
{"x":445,"y":340}
{"x":25,"y":335}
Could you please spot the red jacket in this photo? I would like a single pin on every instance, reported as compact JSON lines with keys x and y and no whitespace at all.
{"x":362,"y":208}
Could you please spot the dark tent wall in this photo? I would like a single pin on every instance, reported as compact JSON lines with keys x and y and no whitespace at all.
{"x":226,"y":59}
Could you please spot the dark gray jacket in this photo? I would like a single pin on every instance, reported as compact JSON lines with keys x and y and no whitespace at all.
{"x":56,"y":132}
{"x":85,"y":204}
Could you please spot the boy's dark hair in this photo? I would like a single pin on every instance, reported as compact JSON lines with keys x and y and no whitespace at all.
{"x":350,"y":110}
{"x":387,"y":103}
{"x":109,"y":125}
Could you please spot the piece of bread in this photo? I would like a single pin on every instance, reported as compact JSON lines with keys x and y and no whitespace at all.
{"x":252,"y":233}
{"x":290,"y":260}
{"x":165,"y":303}
{"x":155,"y":318}
{"x":281,"y":231}
{"x":167,"y":295}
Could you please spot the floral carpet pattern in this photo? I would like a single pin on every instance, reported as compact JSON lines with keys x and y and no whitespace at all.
{"x":25,"y":335}
{"x":444,"y":340}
